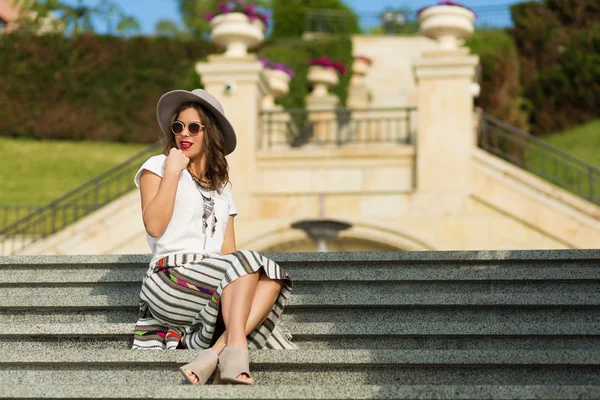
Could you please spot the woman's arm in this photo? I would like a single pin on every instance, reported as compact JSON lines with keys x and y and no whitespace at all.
{"x":158,"y":194}
{"x":158,"y":201}
{"x":229,"y":241}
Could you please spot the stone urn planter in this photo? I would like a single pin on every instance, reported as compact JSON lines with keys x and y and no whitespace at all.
{"x":360,"y":67}
{"x":237,"y":33}
{"x":279,"y":82}
{"x":447,"y":24}
{"x":322,"y":79}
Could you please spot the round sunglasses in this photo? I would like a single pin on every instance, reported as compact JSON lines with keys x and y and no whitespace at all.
{"x":194,"y":127}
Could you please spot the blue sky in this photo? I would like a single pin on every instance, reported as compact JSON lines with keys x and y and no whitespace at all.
{"x":148,"y":12}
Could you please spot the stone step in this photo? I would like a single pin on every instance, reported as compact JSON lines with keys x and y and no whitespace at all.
{"x":350,"y":342}
{"x":319,"y":367}
{"x":322,"y":329}
{"x":323,"y":299}
{"x":369,"y":313}
{"x":324,"y":272}
{"x":287,"y":392}
{"x":338,"y":288}
{"x":350,"y":335}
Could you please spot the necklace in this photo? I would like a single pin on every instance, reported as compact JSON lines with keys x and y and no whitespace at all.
{"x":208,"y":204}
{"x":199,"y":182}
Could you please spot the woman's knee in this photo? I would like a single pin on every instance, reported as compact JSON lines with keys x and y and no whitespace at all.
{"x":265,"y":278}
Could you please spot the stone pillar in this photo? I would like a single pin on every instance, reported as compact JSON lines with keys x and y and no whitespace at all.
{"x":240,"y":85}
{"x":322,"y":114}
{"x":444,"y":120}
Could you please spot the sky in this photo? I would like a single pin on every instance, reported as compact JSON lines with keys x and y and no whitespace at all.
{"x":147,"y":12}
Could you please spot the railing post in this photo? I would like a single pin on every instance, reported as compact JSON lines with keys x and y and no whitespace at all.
{"x":591,"y":179}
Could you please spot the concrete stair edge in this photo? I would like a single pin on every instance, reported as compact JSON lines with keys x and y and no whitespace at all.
{"x":333,"y":392}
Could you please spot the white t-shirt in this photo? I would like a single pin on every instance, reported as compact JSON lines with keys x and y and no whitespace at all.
{"x":184,"y":232}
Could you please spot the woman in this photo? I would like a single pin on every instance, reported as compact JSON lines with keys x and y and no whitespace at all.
{"x":196,"y":275}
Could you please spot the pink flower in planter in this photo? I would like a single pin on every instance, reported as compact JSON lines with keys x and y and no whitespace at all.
{"x":365,"y":59}
{"x":325,"y":62}
{"x":239,"y":6}
{"x":340,"y":67}
{"x":446,"y":3}
{"x":322,"y":61}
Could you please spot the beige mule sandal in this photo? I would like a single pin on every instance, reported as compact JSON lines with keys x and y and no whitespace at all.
{"x":233,"y":362}
{"x":203,"y":366}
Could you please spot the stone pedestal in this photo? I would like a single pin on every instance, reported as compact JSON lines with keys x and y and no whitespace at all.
{"x":240,"y":85}
{"x":322,"y":113}
{"x":444,"y":120}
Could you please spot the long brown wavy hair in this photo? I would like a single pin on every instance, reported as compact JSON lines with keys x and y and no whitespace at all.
{"x":217,"y":170}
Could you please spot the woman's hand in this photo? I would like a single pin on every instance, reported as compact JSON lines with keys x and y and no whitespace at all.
{"x":176,"y":161}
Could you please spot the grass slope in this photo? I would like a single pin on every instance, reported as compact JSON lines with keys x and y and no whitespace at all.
{"x":582,"y":141}
{"x":35,"y":172}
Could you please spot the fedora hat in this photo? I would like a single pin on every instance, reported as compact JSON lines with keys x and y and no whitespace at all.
{"x":170,"y":101}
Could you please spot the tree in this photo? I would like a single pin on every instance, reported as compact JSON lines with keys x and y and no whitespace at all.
{"x":289,"y":17}
{"x":169,"y":28}
{"x":397,"y":21}
{"x":78,"y":18}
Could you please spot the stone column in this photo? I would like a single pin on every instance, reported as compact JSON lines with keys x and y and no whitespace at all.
{"x":240,"y":85}
{"x":322,"y":114}
{"x":277,"y":124}
{"x":444,"y":120}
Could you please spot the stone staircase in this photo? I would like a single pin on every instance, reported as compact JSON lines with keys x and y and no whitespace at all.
{"x":414,"y":325}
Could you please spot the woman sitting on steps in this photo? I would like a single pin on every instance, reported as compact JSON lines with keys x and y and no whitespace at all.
{"x":196,"y":275}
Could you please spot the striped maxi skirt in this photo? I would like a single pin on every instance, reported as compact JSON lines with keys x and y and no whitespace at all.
{"x":180,"y":297}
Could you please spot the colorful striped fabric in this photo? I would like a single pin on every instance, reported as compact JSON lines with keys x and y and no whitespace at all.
{"x":179,"y":301}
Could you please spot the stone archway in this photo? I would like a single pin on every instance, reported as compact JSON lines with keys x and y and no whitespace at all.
{"x":340,"y":244}
{"x":361,"y":237}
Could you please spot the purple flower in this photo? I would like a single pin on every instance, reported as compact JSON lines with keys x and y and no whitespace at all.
{"x":209,"y":16}
{"x":264,"y":62}
{"x":250,"y":8}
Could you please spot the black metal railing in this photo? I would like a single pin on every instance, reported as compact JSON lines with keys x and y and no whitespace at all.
{"x":76,"y":204}
{"x":392,"y":22}
{"x":9,"y":214}
{"x":539,"y":158}
{"x":338,"y":127}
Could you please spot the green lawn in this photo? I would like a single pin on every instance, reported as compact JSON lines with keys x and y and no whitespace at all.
{"x":35,"y":172}
{"x":582,"y":141}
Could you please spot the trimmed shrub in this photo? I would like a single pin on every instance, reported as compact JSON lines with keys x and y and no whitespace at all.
{"x":91,"y":87}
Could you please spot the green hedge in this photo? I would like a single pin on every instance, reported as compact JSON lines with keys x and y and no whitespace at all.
{"x":297,"y":54}
{"x":501,"y":91}
{"x":91,"y":87}
{"x":106,"y":88}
